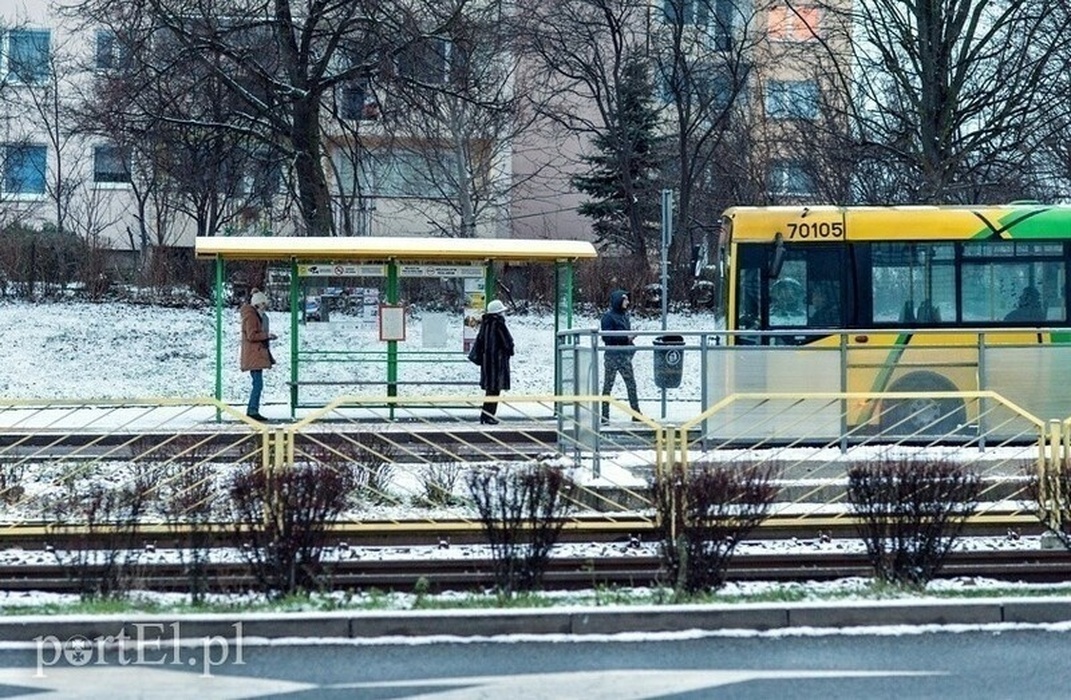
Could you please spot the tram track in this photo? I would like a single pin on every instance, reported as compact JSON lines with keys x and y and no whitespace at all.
{"x":563,"y":573}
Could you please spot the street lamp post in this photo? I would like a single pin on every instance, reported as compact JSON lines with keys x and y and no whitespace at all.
{"x":667,"y":239}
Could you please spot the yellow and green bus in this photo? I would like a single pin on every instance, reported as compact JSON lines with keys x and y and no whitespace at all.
{"x":911,"y":294}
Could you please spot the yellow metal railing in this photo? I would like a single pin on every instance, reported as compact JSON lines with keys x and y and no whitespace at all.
{"x":412,"y":452}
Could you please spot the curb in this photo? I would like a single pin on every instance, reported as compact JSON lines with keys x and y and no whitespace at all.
{"x":163,"y":628}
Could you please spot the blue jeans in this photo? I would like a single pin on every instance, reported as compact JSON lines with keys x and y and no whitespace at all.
{"x":254,"y":396}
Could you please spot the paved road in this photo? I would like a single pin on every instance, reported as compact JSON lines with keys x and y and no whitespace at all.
{"x":1011,"y":647}
{"x":987,"y":662}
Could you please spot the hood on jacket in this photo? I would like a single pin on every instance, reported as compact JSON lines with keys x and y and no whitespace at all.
{"x":617,"y":300}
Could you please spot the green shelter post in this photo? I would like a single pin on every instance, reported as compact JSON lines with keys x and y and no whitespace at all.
{"x":295,"y":317}
{"x":392,"y":345}
{"x":488,"y":283}
{"x":219,"y":335}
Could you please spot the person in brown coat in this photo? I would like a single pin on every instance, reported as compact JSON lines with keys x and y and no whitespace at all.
{"x":256,"y":351}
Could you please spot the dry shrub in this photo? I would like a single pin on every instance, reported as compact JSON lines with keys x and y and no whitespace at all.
{"x":370,"y":457}
{"x":280,"y":519}
{"x":103,"y":556}
{"x":188,"y":495}
{"x":596,"y":279}
{"x":1051,"y":493}
{"x":704,"y":513}
{"x":439,"y":479}
{"x":909,"y":514}
{"x":522,"y":510}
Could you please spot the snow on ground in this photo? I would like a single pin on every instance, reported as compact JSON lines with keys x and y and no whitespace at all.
{"x":121,"y":351}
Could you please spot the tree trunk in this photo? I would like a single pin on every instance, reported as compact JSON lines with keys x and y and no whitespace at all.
{"x":314,"y":199}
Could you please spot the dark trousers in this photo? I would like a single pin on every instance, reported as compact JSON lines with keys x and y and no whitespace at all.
{"x":619,"y":363}
{"x":491,"y":407}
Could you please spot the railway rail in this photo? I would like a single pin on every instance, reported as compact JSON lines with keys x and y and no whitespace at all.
{"x":564,"y":573}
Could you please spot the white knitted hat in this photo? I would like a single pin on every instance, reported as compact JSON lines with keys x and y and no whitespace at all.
{"x":496,"y":307}
{"x":258,"y":299}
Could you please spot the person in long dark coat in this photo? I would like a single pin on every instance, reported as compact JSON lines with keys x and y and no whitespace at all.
{"x":492,"y":351}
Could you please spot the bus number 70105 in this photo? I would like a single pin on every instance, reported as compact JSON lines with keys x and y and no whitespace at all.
{"x":819,"y":229}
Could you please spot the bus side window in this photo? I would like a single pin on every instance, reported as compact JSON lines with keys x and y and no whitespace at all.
{"x":907,"y":314}
{"x":928,"y":313}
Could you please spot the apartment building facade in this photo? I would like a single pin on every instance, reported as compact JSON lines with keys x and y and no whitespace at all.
{"x":56,"y":172}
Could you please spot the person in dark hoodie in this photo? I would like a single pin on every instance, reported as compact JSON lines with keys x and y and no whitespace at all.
{"x":491,"y":351}
{"x":619,"y":351}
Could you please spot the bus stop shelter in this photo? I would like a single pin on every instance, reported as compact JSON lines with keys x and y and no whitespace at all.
{"x":390,"y":258}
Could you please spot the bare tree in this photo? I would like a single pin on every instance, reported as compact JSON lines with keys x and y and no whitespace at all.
{"x":704,"y":53}
{"x":584,"y":50}
{"x":700,"y":54}
{"x":459,"y":106}
{"x":280,"y":61}
{"x":352,"y":107}
{"x":948,"y":100}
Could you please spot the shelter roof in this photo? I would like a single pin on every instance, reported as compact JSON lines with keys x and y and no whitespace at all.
{"x":382,"y":248}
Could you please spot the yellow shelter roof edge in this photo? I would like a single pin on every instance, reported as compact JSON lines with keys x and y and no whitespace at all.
{"x":402,"y":249}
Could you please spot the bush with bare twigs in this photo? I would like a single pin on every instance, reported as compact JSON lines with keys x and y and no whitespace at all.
{"x":703,"y":513}
{"x":280,"y":518}
{"x":909,"y":513}
{"x":439,"y":478}
{"x":370,"y":456}
{"x":103,"y":555}
{"x":1051,"y":493}
{"x":522,"y":510}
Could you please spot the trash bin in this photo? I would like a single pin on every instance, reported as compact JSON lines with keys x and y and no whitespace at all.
{"x":668,"y":361}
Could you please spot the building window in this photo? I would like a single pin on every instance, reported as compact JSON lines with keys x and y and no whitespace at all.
{"x":787,"y":23}
{"x":403,"y":174}
{"x":354,"y":103}
{"x":110,"y":53}
{"x":707,"y":85}
{"x":701,"y":13}
{"x":24,"y":168}
{"x":27,"y":55}
{"x":789,"y":178}
{"x":110,"y":164}
{"x":424,"y":60}
{"x":791,"y":99}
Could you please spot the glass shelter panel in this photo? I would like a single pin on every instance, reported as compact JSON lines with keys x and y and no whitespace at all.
{"x":420,"y":348}
{"x":773,"y":370}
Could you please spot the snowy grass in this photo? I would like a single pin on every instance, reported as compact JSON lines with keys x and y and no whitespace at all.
{"x":842,"y":590}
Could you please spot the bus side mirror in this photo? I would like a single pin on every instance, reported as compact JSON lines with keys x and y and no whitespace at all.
{"x":778,"y":257}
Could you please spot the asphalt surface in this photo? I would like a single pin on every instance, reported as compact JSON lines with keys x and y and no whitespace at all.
{"x":560,"y":621}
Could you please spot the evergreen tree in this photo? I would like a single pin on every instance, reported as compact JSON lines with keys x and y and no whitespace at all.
{"x":623,"y":181}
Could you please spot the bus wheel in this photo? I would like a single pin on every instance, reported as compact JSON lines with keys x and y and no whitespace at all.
{"x":923,"y":415}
